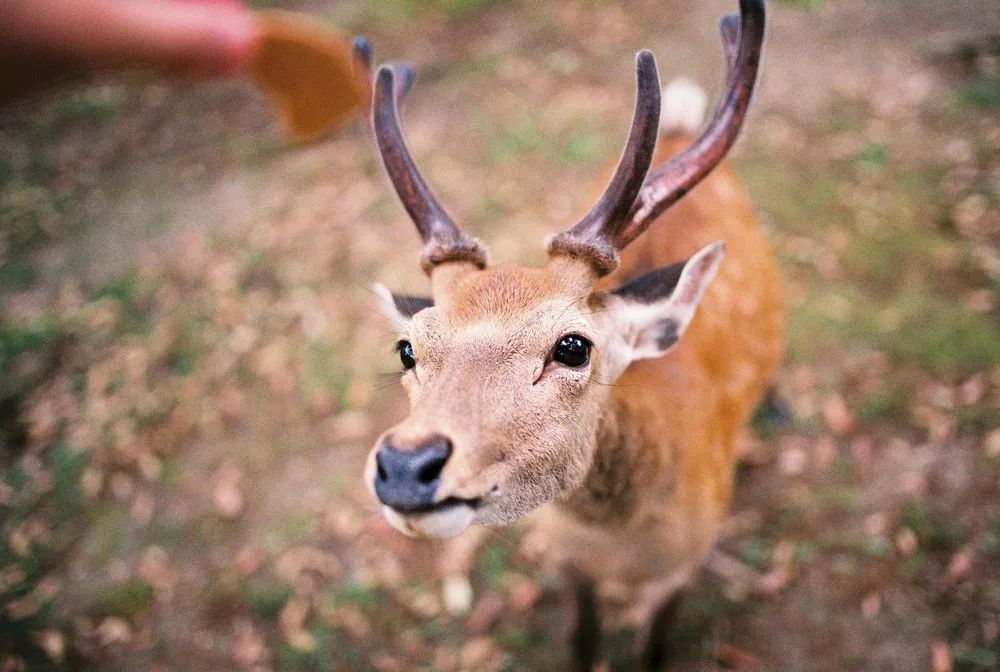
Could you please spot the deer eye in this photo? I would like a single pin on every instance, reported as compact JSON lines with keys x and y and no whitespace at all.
{"x":572,"y":350}
{"x":405,"y":350}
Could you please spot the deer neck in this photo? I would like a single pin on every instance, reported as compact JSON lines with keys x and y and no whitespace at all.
{"x":627,"y":464}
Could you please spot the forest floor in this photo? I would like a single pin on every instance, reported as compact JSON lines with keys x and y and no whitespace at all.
{"x":192,"y":368}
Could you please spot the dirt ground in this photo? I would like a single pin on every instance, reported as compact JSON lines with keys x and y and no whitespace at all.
{"x":192,"y":368}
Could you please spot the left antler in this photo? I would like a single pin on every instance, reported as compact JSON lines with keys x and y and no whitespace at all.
{"x":443,"y":240}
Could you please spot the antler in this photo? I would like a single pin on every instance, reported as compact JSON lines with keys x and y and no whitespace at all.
{"x":680,"y":174}
{"x":605,"y":231}
{"x":593,"y":238}
{"x":443,"y":240}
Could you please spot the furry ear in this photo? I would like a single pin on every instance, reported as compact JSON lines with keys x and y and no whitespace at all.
{"x":652,"y":312}
{"x":399,"y":308}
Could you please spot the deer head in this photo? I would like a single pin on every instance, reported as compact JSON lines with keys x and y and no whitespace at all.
{"x":507,"y":368}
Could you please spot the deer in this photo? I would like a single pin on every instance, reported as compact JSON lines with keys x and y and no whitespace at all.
{"x":602,"y":393}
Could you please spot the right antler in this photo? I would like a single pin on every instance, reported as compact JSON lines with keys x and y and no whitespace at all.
{"x":743,"y":38}
{"x":598,"y":240}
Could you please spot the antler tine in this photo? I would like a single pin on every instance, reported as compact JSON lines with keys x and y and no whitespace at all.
{"x":361,"y":54}
{"x":443,"y":240}
{"x":668,"y":184}
{"x":593,"y":237}
{"x":364,"y":67}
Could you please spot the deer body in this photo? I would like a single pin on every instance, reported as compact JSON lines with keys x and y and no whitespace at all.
{"x":606,"y":389}
{"x":650,"y":508}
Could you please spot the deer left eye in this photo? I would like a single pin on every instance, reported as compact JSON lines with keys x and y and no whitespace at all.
{"x":405,"y":350}
{"x":572,"y":350}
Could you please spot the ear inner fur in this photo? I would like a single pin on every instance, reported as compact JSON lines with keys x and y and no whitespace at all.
{"x":652,"y":286}
{"x":409,"y":305}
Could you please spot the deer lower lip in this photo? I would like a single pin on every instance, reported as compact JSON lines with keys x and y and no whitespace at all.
{"x":438,"y":506}
{"x":447,"y":519}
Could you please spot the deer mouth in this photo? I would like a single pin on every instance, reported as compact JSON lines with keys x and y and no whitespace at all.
{"x":447,"y":518}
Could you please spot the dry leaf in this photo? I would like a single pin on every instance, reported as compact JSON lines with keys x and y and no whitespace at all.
{"x":306,"y":69}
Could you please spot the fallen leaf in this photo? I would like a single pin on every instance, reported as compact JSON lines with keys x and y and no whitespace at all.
{"x":871,"y":605}
{"x":837,"y":415}
{"x":484,"y":614}
{"x":961,"y":564}
{"x":940,"y":657}
{"x":735,"y":658}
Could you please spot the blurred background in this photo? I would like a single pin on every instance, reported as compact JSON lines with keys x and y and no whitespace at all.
{"x":192,"y":367}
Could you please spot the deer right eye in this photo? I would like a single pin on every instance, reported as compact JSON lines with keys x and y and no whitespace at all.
{"x":405,"y":350}
{"x":572,"y":350}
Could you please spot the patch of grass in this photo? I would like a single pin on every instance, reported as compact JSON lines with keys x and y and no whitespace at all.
{"x":19,"y":340}
{"x":799,"y":202}
{"x":128,"y":292}
{"x":289,"y":530}
{"x":935,"y":532}
{"x":93,"y":106}
{"x":978,"y":659}
{"x":804,"y":4}
{"x":106,"y":525}
{"x":876,"y":546}
{"x":982,"y":92}
{"x":874,"y":156}
{"x":581,"y":150}
{"x":516,"y":638}
{"x":523,"y":137}
{"x":494,"y":562}
{"x":128,"y":598}
{"x":17,"y":274}
{"x":264,"y":597}
{"x":67,"y":466}
{"x":804,"y":553}
{"x":756,"y":553}
{"x":885,"y":405}
{"x":489,"y":211}
{"x":990,"y":545}
{"x":330,"y":653}
{"x":396,"y":12}
{"x":930,"y":331}
{"x":356,"y":593}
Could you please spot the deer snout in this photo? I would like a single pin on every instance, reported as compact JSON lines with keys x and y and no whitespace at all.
{"x":406,"y":479}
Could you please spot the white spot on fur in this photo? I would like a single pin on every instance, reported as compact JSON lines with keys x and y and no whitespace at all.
{"x":683,"y":107}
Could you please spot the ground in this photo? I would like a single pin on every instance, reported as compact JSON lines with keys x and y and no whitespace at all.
{"x":192,"y":368}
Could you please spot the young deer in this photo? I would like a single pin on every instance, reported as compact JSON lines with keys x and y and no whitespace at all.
{"x":509,"y":370}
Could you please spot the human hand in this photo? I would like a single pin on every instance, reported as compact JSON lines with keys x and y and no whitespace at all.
{"x":40,"y":39}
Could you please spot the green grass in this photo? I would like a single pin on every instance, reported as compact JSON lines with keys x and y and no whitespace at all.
{"x":18,"y":340}
{"x":353,"y":592}
{"x":981,"y":92}
{"x":935,"y":531}
{"x":128,"y":598}
{"x":519,"y":139}
{"x":756,"y":553}
{"x":400,"y":12}
{"x":494,"y":563}
{"x":264,"y":597}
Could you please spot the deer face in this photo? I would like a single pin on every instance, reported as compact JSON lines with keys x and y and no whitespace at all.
{"x":503,"y":378}
{"x":507,"y":368}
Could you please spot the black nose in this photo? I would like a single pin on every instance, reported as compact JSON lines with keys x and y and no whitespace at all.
{"x":407,"y":479}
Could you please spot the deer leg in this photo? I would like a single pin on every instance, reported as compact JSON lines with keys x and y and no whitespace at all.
{"x":654,"y":645}
{"x":586,"y":636}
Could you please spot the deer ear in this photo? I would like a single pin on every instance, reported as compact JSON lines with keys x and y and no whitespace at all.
{"x":399,"y":308}
{"x":652,"y":312}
